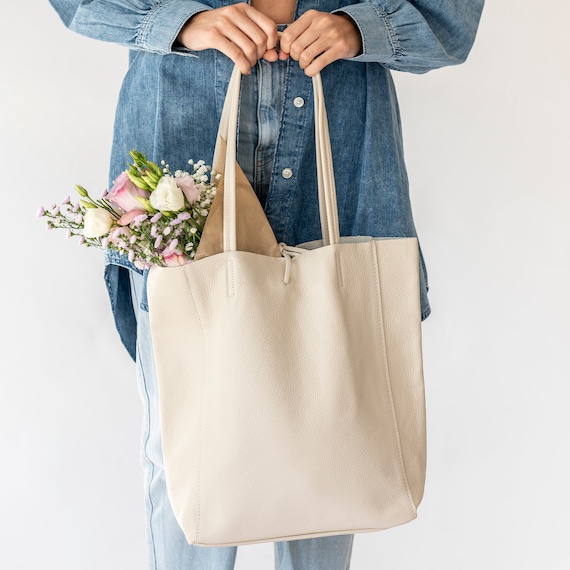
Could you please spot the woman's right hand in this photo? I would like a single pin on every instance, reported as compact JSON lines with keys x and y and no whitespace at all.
{"x":239,"y":31}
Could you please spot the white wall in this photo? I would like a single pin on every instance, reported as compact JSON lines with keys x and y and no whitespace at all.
{"x":487,"y":152}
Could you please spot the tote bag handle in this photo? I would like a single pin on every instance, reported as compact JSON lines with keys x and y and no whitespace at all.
{"x":325,"y":174}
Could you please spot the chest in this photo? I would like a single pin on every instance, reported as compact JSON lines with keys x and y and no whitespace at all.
{"x":281,"y":12}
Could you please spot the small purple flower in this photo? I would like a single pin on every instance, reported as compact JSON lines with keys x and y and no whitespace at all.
{"x":75,"y":209}
{"x":167,"y":230}
{"x":55,"y":211}
{"x":156,"y":217}
{"x":78,"y":218}
{"x":131,"y":256}
{"x":183,"y":216}
{"x":157,"y":242}
{"x":68,"y":234}
{"x":41,"y":212}
{"x":81,"y":240}
{"x":153,"y":231}
{"x":105,"y":243}
{"x":132,"y":240}
{"x":66,"y":200}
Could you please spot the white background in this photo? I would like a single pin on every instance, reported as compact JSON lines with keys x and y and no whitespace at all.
{"x":487,"y":153}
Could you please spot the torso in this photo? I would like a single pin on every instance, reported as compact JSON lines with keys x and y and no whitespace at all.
{"x":281,"y":12}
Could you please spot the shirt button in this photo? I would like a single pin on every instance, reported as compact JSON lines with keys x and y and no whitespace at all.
{"x":287,"y":173}
{"x":298,"y":101}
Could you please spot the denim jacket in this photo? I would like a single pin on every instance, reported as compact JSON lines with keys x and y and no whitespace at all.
{"x":171,"y":100}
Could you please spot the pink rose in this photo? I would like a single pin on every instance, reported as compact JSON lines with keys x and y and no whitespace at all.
{"x":189,"y":188}
{"x":124,"y":194}
{"x":130,"y":216}
{"x":175,"y":259}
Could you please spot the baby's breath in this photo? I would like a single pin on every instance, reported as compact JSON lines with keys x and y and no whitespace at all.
{"x":151,"y":235}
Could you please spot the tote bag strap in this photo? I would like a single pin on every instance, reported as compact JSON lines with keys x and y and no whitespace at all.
{"x":325,"y":173}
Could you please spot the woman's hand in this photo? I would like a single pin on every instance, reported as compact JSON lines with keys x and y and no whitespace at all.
{"x":319,"y":38}
{"x":239,"y":31}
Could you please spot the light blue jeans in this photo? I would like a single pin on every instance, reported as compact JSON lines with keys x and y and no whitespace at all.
{"x":167,"y":546}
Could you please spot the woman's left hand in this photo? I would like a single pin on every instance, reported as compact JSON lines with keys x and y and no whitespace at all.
{"x":319,"y":38}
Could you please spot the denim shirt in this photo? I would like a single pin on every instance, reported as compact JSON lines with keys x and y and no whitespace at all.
{"x":171,"y":100}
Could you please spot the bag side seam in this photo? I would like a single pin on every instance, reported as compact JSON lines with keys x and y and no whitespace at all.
{"x":388,"y":381}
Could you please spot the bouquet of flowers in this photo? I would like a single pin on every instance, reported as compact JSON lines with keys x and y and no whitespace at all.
{"x":150,"y":214}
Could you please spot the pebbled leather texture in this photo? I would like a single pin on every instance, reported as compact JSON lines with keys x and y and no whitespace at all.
{"x":291,"y":388}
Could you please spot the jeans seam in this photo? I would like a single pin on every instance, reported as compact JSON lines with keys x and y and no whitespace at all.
{"x":144,"y":443}
{"x":151,"y":464}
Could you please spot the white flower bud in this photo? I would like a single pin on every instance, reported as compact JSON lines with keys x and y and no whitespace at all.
{"x":97,"y":222}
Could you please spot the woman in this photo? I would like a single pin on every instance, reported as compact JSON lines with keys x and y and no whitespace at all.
{"x":181,"y":56}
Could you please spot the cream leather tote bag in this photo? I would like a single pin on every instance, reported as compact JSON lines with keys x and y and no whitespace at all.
{"x":291,"y":387}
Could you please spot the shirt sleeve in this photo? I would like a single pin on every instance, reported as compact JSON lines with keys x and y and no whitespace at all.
{"x":137,"y":24}
{"x":415,"y":36}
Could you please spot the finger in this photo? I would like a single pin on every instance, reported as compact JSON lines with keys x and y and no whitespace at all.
{"x":323,"y":52}
{"x":248,"y":35}
{"x":319,"y":63}
{"x":235,"y":53}
{"x":260,"y":30}
{"x":308,"y":47}
{"x":212,"y":29}
{"x":292,"y":33}
{"x":301,"y":44}
{"x":271,"y":55}
{"x":266,"y":25}
{"x":318,"y":55}
{"x":249,"y":49}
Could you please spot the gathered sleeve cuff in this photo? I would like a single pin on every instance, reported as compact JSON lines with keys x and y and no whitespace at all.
{"x":137,"y":24}
{"x":160,"y":29}
{"x":415,"y":36}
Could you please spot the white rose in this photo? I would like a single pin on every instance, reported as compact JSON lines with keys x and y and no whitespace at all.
{"x":97,"y":222}
{"x":167,"y":197}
